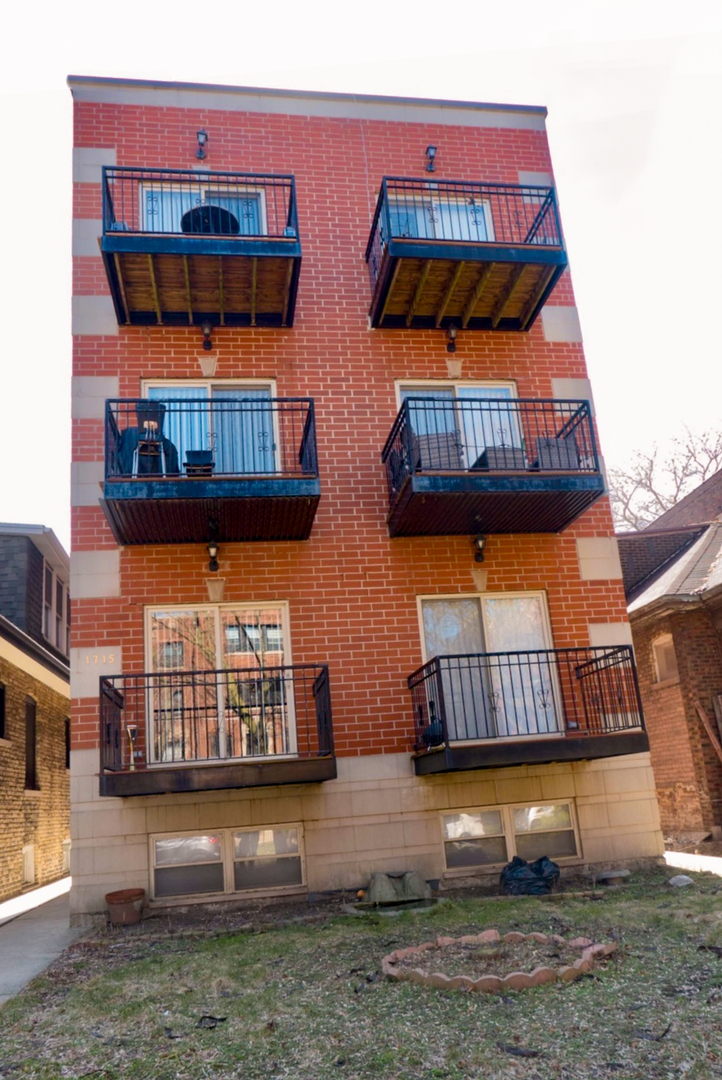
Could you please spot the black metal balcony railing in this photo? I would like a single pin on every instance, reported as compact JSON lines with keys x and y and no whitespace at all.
{"x":484,"y":436}
{"x":183,"y":202}
{"x":507,"y":696}
{"x":199,"y":717}
{"x":457,"y":212}
{"x":208,"y":438}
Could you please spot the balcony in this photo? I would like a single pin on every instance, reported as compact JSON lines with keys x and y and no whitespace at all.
{"x":206,"y":730}
{"x":496,"y":465}
{"x":229,"y":468}
{"x":480,"y":256}
{"x":184,"y":247}
{"x":490,"y":710}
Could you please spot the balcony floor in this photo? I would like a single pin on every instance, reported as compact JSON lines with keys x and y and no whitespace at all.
{"x":194,"y":777}
{"x":178,"y":511}
{"x":453,"y":504}
{"x":426,"y":283}
{"x":541,"y":751}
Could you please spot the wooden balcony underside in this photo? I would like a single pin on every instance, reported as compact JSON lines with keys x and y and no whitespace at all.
{"x":476,"y":289}
{"x":503,"y":753}
{"x":452,"y":505}
{"x":181,"y":288}
{"x":165,"y":513}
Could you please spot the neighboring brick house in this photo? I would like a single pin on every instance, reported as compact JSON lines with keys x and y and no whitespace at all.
{"x":673,"y":580}
{"x":34,"y":708}
{"x":342,"y":555}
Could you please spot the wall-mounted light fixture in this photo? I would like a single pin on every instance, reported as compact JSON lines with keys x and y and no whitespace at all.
{"x":202,"y":137}
{"x":479,"y":545}
{"x":212,"y":550}
{"x":430,"y":158}
{"x":451,"y":332}
{"x":207,"y":330}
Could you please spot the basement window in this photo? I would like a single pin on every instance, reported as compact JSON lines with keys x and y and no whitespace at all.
{"x":480,"y":838}
{"x":665,"y":659}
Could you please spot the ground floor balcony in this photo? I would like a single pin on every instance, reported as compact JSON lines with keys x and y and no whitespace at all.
{"x":234,"y":466}
{"x":489,"y":710}
{"x":205,"y":730}
{"x":489,"y":465}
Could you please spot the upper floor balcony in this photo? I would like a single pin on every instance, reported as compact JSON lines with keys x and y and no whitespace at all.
{"x":248,"y":726}
{"x":487,"y":710}
{"x":480,"y":256}
{"x":225,"y":467}
{"x":182,"y":247}
{"x":496,"y":465}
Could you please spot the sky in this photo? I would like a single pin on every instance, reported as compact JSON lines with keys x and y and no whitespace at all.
{"x":634,"y":93}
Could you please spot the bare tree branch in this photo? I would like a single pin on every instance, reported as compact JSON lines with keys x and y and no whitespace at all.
{"x":654,"y":481}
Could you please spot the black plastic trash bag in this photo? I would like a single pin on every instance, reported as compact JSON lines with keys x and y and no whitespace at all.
{"x":520,"y":878}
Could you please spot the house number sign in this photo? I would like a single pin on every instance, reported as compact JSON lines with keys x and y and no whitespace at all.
{"x":99,"y":658}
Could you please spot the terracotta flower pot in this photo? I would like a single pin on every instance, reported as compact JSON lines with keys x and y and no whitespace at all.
{"x":125,"y":906}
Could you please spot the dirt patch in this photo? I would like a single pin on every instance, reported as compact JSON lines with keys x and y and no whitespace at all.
{"x":482,"y":959}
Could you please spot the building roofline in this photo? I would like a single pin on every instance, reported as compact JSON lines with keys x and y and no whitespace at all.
{"x":88,"y":81}
{"x":32,"y":648}
{"x":45,"y":541}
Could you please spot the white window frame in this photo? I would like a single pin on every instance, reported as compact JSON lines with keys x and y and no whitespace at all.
{"x":208,"y":385}
{"x":204,"y":189}
{"x":50,"y":611}
{"x":501,"y":594}
{"x":507,"y":817}
{"x":283,"y":606}
{"x":409,"y":385}
{"x":227,"y":857}
{"x":432,"y":198}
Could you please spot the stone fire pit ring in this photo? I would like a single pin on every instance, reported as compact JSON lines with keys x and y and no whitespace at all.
{"x":492,"y":984}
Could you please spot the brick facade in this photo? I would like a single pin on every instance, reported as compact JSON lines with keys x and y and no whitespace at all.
{"x":352,"y":592}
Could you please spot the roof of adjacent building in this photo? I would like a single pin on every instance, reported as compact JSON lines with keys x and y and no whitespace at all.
{"x":702,"y":505}
{"x":694,"y":573}
{"x":45,"y":541}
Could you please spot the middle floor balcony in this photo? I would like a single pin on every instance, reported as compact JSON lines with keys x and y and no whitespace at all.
{"x":490,"y":465}
{"x":224,"y":468}
{"x":489,"y":710}
{"x":205,"y":730}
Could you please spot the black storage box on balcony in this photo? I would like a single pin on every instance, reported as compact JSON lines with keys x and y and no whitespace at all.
{"x":558,"y":453}
{"x":501,"y":457}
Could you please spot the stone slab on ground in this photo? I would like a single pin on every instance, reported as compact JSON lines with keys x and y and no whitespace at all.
{"x":31,"y":942}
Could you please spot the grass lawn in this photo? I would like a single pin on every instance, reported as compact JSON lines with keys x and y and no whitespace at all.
{"x":307,"y":1001}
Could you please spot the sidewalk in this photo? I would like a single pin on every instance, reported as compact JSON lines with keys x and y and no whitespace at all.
{"x":31,"y":941}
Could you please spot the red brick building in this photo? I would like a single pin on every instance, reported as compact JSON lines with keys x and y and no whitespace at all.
{"x":341,"y":551}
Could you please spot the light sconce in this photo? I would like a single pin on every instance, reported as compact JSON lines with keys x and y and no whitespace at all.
{"x":479,"y":545}
{"x":451,"y":332}
{"x":430,"y":158}
{"x":212,"y":550}
{"x":202,"y":137}
{"x":207,"y":330}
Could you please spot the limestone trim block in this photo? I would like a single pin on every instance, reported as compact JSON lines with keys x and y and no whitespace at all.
{"x":88,"y":163}
{"x":85,"y":480}
{"x":94,"y":316}
{"x":89,"y":394}
{"x":86,"y":232}
{"x":561,"y":323}
{"x":573,"y":390}
{"x":598,"y":558}
{"x":614,"y":633}
{"x":86,"y":668}
{"x":95,"y":574}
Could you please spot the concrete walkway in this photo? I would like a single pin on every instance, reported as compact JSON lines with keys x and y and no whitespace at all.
{"x":31,"y":941}
{"x":687,"y":860}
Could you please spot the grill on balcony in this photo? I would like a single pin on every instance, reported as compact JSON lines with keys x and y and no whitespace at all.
{"x":491,"y":709}
{"x":227,"y":468}
{"x":494,"y":465}
{"x":184,"y":247}
{"x":161,"y":732}
{"x":480,"y":256}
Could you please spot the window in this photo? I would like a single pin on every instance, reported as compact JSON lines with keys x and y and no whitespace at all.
{"x":502,"y":695}
{"x":67,"y":742}
{"x":464,"y":426}
{"x":56,"y":610}
{"x":234,"y":424}
{"x":665,"y":659}
{"x":436,"y":217}
{"x":3,"y":726}
{"x":492,"y":836}
{"x":29,"y":864}
{"x":233,"y":210}
{"x":31,"y":776}
{"x":223,"y":689}
{"x":227,"y":861}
